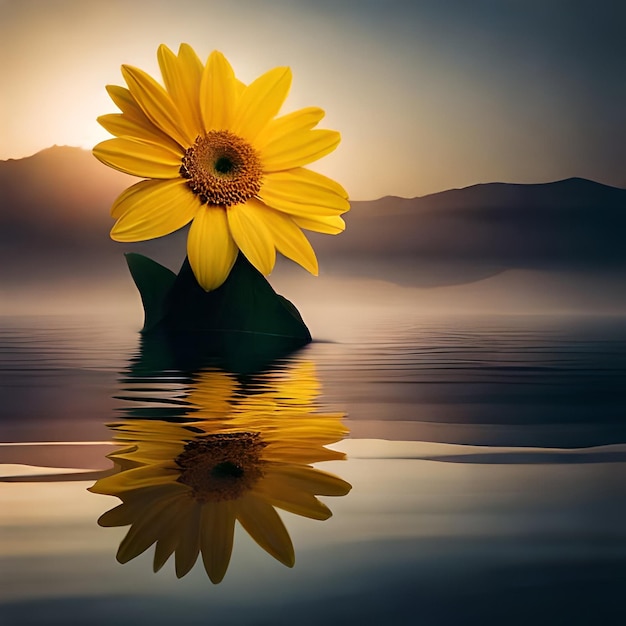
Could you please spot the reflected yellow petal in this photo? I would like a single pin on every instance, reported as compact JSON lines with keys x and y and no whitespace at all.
{"x":266,"y":527}
{"x":167,"y":433}
{"x":321,"y":428}
{"x":134,"y":479}
{"x":260,"y":102}
{"x":157,"y":451}
{"x":118,"y":516}
{"x":288,"y":238}
{"x":154,"y":209}
{"x":164,"y":549}
{"x":168,"y":541}
{"x":252,"y":236}
{"x":297,"y":501}
{"x":138,"y":158}
{"x":210,"y":247}
{"x":298,"y":149}
{"x":188,"y":541}
{"x":312,"y":479}
{"x":306,"y":453}
{"x":155,"y":521}
{"x":213,"y":394}
{"x":170,"y":495}
{"x":157,"y":104}
{"x":216,"y":538}
{"x":217,"y":93}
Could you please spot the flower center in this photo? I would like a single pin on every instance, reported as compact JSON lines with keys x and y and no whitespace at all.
{"x":222,"y":169}
{"x":221,"y":466}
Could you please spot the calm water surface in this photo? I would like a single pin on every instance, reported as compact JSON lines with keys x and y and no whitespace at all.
{"x":485,"y":456}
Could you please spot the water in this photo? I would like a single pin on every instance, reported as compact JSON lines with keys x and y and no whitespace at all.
{"x":485,"y":464}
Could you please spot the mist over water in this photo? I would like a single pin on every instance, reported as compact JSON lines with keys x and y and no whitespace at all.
{"x":355,"y":289}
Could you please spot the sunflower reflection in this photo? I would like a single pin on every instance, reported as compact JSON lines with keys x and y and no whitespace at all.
{"x":245,"y":451}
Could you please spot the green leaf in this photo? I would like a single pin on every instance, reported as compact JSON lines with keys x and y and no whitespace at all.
{"x":243,"y":325}
{"x":245,"y":303}
{"x":154,"y":283}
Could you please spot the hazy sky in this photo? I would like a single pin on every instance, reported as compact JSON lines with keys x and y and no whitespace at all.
{"x":428,"y":94}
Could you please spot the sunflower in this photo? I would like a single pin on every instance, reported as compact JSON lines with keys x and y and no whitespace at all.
{"x":213,"y":153}
{"x":184,"y":485}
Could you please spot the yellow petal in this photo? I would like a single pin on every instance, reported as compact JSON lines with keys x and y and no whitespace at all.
{"x":329,"y":225}
{"x":217,"y":93}
{"x":139,"y":158}
{"x":264,"y":525}
{"x":210,"y":247}
{"x":182,"y":81}
{"x":132,"y":113}
{"x":260,"y":102}
{"x":190,"y":62}
{"x":156,"y":103}
{"x":315,"y":178}
{"x":136,"y":194}
{"x":297,"y":121}
{"x":297,"y":149}
{"x":293,"y":194}
{"x":252,"y":236}
{"x":126,"y":103}
{"x":240,"y":87}
{"x":294,"y":208}
{"x":154,"y":209}
{"x":193,"y":68}
{"x":123,"y":126}
{"x":288,"y":238}
{"x":216,"y":538}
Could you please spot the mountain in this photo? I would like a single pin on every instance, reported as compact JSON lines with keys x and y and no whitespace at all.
{"x":573,"y":223}
{"x":54,"y":219}
{"x":60,"y":187}
{"x":54,"y":213}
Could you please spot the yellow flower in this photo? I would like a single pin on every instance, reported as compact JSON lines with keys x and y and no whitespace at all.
{"x":215,"y":154}
{"x":184,"y":485}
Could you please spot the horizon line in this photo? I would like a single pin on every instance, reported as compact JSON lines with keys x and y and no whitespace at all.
{"x":384,"y":197}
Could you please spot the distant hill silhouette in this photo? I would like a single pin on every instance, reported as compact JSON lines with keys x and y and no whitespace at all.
{"x":573,"y":221}
{"x":54,"y":215}
{"x":59,"y":195}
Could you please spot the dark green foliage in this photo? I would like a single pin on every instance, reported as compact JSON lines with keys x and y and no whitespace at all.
{"x":243,"y":325}
{"x":154,"y":282}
